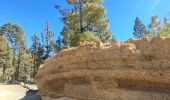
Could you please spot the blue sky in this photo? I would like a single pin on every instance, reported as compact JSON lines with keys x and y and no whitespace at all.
{"x":33,"y":14}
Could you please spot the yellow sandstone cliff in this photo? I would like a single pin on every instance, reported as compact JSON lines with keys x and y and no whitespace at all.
{"x":132,"y":70}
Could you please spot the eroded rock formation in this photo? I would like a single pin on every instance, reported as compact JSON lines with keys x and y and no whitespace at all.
{"x":133,"y":70}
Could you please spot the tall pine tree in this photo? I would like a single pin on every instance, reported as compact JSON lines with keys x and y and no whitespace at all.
{"x":37,"y":52}
{"x":139,"y":29}
{"x":6,"y":31}
{"x":164,"y":30}
{"x":85,"y":21}
{"x":17,"y":53}
{"x":154,"y":27}
{"x":3,"y":56}
{"x":47,"y":41}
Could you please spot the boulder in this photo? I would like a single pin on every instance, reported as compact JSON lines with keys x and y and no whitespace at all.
{"x":131,"y":70}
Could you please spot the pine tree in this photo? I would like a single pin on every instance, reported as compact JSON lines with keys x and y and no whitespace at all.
{"x":6,"y":31}
{"x":17,"y":51}
{"x":47,"y":41}
{"x":86,"y":21}
{"x":25,"y":65}
{"x":58,"y":45}
{"x":37,"y":53}
{"x":3,"y":56}
{"x":154,"y":27}
{"x":165,"y":29}
{"x":139,"y":29}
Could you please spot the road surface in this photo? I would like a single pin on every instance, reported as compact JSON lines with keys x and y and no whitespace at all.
{"x":13,"y":92}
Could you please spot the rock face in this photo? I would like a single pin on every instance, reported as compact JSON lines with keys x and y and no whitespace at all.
{"x":132,"y":70}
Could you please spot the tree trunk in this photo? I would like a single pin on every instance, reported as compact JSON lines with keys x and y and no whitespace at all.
{"x":34,"y":68}
{"x":3,"y":73}
{"x":80,"y":17}
{"x":17,"y":69}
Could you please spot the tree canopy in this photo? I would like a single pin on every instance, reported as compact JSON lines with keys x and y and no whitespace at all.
{"x":139,"y":28}
{"x":85,"y":21}
{"x":155,"y":28}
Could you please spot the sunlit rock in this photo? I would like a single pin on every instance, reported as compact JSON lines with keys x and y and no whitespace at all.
{"x":132,"y":70}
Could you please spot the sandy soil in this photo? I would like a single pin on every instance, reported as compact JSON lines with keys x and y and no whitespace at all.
{"x":13,"y":92}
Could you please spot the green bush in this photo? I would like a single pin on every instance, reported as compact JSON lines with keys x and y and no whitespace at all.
{"x":88,"y":36}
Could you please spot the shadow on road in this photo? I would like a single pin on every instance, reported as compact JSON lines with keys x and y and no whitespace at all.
{"x":32,"y":95}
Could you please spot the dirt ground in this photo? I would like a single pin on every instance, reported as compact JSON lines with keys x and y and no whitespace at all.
{"x":13,"y":92}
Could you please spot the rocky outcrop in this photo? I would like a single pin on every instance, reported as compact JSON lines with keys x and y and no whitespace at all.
{"x":132,"y":70}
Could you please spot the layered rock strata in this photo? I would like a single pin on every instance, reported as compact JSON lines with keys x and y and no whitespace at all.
{"x":131,"y":70}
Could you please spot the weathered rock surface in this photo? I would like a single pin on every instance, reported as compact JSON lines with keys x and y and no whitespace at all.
{"x":133,"y":70}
